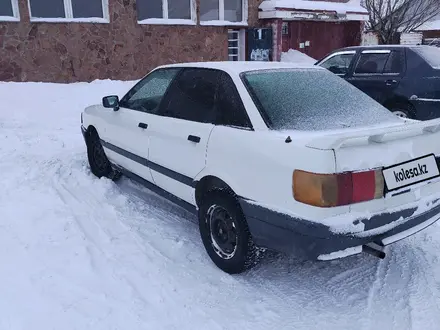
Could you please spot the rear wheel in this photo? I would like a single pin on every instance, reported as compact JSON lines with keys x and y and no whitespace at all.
{"x":99,"y":164}
{"x":225,"y":233}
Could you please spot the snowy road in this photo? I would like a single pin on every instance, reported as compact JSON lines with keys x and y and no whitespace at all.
{"x":77,"y":252}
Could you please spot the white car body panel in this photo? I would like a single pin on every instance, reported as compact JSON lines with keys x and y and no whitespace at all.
{"x":121,"y":129}
{"x":242,"y":160}
{"x":170,"y":147}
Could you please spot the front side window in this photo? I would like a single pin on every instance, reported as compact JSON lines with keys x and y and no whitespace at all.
{"x":222,"y":10}
{"x":339,"y":64}
{"x":311,"y":100}
{"x":73,"y":10}
{"x":192,"y":96}
{"x":147,"y":94}
{"x":163,"y":10}
{"x":9,"y":10}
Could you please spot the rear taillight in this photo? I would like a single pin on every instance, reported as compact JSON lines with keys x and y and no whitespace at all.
{"x":329,"y":190}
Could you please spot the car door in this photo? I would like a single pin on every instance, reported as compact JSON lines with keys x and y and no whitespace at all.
{"x":126,"y":139}
{"x":379,"y":72}
{"x":339,"y":63}
{"x":179,"y":135}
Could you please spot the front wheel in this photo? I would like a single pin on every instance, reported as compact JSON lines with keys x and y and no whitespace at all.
{"x":225,"y":233}
{"x":99,"y":164}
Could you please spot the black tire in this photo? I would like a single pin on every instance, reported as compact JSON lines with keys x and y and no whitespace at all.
{"x":403,"y":110}
{"x":100,"y":166}
{"x":245,"y":254}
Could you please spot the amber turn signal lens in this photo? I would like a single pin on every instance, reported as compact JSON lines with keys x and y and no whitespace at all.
{"x":315,"y":189}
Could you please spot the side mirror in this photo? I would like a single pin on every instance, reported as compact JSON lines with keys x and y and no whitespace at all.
{"x":111,"y":102}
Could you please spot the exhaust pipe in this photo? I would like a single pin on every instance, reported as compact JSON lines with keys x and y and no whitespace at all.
{"x":374,"y":250}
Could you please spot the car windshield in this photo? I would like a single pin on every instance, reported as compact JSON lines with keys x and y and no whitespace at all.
{"x":431,"y":54}
{"x":311,"y":99}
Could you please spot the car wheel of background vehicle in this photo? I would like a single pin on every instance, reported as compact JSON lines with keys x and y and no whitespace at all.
{"x":98,"y":161}
{"x":402,"y":110}
{"x":225,"y":233}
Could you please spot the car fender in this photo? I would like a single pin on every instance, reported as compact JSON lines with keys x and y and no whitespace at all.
{"x":220,"y":174}
{"x":91,"y":116}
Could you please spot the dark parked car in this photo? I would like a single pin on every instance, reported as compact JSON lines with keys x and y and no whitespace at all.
{"x":405,"y":79}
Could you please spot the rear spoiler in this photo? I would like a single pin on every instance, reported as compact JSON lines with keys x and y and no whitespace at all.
{"x":375,"y":135}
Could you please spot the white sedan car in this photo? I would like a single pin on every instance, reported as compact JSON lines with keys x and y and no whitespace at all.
{"x":271,"y":156}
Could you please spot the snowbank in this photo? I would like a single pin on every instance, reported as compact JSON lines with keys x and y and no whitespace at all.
{"x":297,"y":57}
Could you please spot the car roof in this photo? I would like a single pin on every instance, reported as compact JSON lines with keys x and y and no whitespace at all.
{"x":373,"y":47}
{"x":243,"y":66}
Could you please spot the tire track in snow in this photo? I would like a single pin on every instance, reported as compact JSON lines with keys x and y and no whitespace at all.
{"x":423,"y":293}
{"x":405,"y":285}
{"x":90,"y":222}
{"x":70,"y":197}
{"x":102,"y":241}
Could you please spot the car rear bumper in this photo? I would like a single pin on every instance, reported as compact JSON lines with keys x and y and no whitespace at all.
{"x":284,"y":233}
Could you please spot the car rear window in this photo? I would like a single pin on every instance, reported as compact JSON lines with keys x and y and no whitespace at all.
{"x":309,"y":99}
{"x":431,"y":54}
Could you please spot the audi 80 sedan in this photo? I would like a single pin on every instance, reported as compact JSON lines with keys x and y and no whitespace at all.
{"x":277,"y":156}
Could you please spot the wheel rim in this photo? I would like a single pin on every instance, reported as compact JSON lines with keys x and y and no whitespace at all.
{"x":400,"y":114}
{"x":99,"y":157}
{"x":223,"y":232}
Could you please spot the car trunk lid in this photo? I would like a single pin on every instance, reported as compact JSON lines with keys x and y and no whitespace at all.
{"x":406,"y":155}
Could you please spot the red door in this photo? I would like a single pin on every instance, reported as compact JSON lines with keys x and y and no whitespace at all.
{"x":322,"y":37}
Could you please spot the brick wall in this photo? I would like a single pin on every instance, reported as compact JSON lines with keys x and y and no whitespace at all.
{"x":122,"y":49}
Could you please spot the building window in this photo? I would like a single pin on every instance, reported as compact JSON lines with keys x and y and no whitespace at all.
{"x":236,"y":45}
{"x":285,"y":28}
{"x":9,"y":11}
{"x":223,"y":12}
{"x":178,"y":12}
{"x":94,"y":11}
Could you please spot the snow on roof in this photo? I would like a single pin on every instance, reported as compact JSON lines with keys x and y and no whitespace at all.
{"x":352,"y":6}
{"x":430,"y":26}
{"x":242,"y":66}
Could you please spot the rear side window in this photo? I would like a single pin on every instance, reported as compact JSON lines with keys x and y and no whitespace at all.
{"x":192,"y":96}
{"x":312,"y":100}
{"x":371,"y":63}
{"x":395,"y":63}
{"x":230,"y":109}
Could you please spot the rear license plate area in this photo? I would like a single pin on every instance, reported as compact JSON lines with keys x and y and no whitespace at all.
{"x":410,"y":172}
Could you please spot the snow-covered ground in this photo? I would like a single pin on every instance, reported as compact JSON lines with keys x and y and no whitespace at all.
{"x":293,"y":55}
{"x":77,"y":252}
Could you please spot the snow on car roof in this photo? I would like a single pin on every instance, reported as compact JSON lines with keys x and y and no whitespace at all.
{"x":352,"y":6}
{"x":242,"y":66}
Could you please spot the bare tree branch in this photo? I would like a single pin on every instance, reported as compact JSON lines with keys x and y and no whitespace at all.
{"x":389,"y":17}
